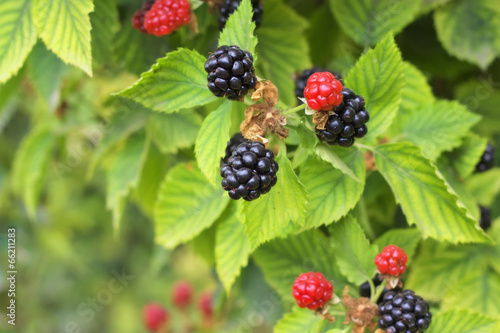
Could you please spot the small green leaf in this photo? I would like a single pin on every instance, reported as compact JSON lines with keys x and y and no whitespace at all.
{"x":424,"y":196}
{"x":328,"y":154}
{"x":465,"y":158}
{"x":124,"y":174}
{"x":476,"y":292}
{"x":332,"y":194}
{"x":30,"y":166}
{"x":484,"y":186}
{"x":353,"y":251}
{"x":232,"y":247}
{"x":407,"y":239}
{"x":171,"y":132}
{"x":186,"y":205}
{"x":470,"y":30}
{"x":64,"y":26}
{"x":417,"y":90}
{"x":283,"y":260}
{"x":379,"y":77}
{"x":368,"y":21}
{"x":437,"y":127}
{"x":281,"y":37}
{"x":463,"y":321}
{"x":299,"y":321}
{"x":176,"y":82}
{"x":212,"y":141}
{"x":17,"y":37}
{"x":267,"y":217}
{"x":239,"y":28}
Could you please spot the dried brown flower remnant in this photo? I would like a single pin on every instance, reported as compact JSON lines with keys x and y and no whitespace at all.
{"x":360,"y":311}
{"x":320,"y":119}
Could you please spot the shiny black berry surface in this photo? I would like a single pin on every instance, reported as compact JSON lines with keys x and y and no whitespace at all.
{"x":404,"y":312}
{"x":230,"y":72}
{"x":485,"y":221}
{"x":227,"y":7}
{"x":232,"y":144}
{"x":487,"y":160}
{"x":250,"y":171}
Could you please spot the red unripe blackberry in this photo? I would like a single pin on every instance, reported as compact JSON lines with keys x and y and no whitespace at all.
{"x":323,"y":91}
{"x":182,"y":294}
{"x":138,"y":18}
{"x":391,"y":261}
{"x":301,"y":80}
{"x":312,"y":290}
{"x":166,"y":16}
{"x":155,"y":316}
{"x":205,"y":305}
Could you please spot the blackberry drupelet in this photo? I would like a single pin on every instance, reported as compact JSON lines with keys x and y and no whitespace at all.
{"x":249,"y":172}
{"x":228,"y":7}
{"x":348,"y":122}
{"x":230,"y":72}
{"x":365,"y":289}
{"x":404,"y":312}
{"x":485,"y":222}
{"x":232,"y":144}
{"x":487,"y":160}
{"x":301,"y":80}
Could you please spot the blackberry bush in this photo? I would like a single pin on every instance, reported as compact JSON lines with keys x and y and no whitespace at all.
{"x":230,"y":72}
{"x":250,"y":172}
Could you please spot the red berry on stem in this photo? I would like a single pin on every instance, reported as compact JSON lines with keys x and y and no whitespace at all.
{"x":312,"y":290}
{"x":323,"y":91}
{"x":166,"y":16}
{"x":206,"y":306}
{"x":181,"y":294}
{"x":391,"y":261}
{"x":155,"y":316}
{"x":138,"y":19}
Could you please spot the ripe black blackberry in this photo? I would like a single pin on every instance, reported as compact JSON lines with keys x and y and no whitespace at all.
{"x":487,"y":160}
{"x":347,"y":123}
{"x":365,"y":289}
{"x":227,"y":7}
{"x":301,"y":80}
{"x":249,"y":172}
{"x":232,"y":144}
{"x":485,"y":222}
{"x":404,"y":312}
{"x":230,"y":72}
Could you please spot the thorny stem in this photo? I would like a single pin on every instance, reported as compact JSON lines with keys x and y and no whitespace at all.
{"x":293,"y":110}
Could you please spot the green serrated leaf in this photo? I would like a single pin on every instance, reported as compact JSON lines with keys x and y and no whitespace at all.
{"x":30,"y":166}
{"x":331,"y":155}
{"x":424,"y":196}
{"x":353,"y":251}
{"x":45,"y":71}
{"x":124,"y":174}
{"x":417,"y":90}
{"x":104,"y":21}
{"x":239,"y":28}
{"x":267,"y":217}
{"x":368,"y":21}
{"x":176,"y":82}
{"x":475,"y":292}
{"x":437,"y":127}
{"x":463,"y":321}
{"x":171,"y":132}
{"x":17,"y":36}
{"x":407,"y":239}
{"x":465,"y":158}
{"x":470,"y":30}
{"x":187,"y":204}
{"x":281,"y":37}
{"x":299,"y":321}
{"x":379,"y":77}
{"x":484,"y":186}
{"x":332,"y":194}
{"x":283,"y":260}
{"x":64,"y":26}
{"x":232,"y":247}
{"x":212,"y":141}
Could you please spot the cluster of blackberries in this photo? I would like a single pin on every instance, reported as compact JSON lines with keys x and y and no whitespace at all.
{"x":232,"y":144}
{"x":487,"y":160}
{"x":227,"y":7}
{"x":249,"y":172}
{"x":230,"y":72}
{"x":347,"y":123}
{"x":485,"y":221}
{"x":404,"y":312}
{"x":365,"y":289}
{"x":301,"y":79}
